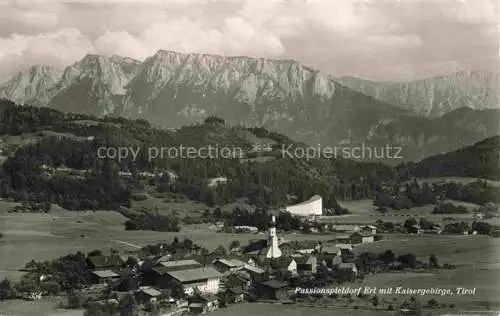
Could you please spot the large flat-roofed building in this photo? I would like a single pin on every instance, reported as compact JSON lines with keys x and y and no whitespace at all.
{"x":311,"y":207}
{"x":205,"y":279}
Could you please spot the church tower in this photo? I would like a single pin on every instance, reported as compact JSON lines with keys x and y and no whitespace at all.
{"x":274,"y":249}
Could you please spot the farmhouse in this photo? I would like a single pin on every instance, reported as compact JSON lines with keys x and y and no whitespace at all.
{"x":206,"y":280}
{"x":225,"y":265}
{"x":282,"y":264}
{"x":361,"y":238}
{"x":203,"y":304}
{"x":330,"y":260}
{"x":347,"y":269}
{"x":147,"y":294}
{"x":104,"y":262}
{"x":307,"y":264}
{"x":179,"y":265}
{"x":334,"y":250}
{"x":104,"y":276}
{"x":272,"y":289}
{"x":256,"y":273}
{"x":369,"y":229}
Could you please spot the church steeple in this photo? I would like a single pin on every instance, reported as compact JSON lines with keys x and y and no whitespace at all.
{"x":274,"y":250}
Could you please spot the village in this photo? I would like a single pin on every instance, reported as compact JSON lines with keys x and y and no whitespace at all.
{"x":183,"y":278}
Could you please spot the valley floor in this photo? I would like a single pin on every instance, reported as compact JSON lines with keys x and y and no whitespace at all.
{"x":47,"y":236}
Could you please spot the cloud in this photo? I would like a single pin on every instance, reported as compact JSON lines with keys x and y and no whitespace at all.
{"x":236,"y":37}
{"x":65,"y":45}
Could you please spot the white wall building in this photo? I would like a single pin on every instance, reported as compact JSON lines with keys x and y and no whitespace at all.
{"x":206,"y":280}
{"x":311,"y":207}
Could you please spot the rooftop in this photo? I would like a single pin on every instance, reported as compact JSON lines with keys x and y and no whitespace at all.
{"x":232,"y":263}
{"x":180,"y":263}
{"x":105,"y":274}
{"x":312,"y":199}
{"x":197,"y":274}
{"x":275,"y":284}
{"x":105,"y":261}
{"x":347,"y":266}
{"x":150,"y":291}
{"x":254,"y":269}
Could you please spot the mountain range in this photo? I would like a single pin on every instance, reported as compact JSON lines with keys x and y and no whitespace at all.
{"x":434,"y":97}
{"x":171,"y":89}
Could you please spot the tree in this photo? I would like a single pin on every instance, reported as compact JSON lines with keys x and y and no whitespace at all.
{"x":388,"y":256}
{"x":408,"y":260}
{"x":177,"y":290}
{"x":433,"y":261}
{"x":220,"y":251}
{"x":410,"y":222}
{"x":6,"y":290}
{"x":234,"y":244}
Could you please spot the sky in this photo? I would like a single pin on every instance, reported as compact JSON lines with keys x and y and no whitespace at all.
{"x":373,"y":39}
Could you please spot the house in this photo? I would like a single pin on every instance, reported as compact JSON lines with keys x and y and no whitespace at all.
{"x":347,"y":269}
{"x":333,"y":250}
{"x":369,"y":229}
{"x":238,"y":279}
{"x":330,"y":260}
{"x":343,"y":239}
{"x":235,"y":294}
{"x":225,"y":265}
{"x":281,"y":264}
{"x":272,"y":289}
{"x":180,"y":265}
{"x":158,"y":275}
{"x":257,"y":274}
{"x":203,"y":304}
{"x":104,"y":262}
{"x":287,"y":249}
{"x":347,"y":246}
{"x":147,"y":294}
{"x":361,"y":238}
{"x":206,"y":280}
{"x":104,"y":276}
{"x":307,"y":264}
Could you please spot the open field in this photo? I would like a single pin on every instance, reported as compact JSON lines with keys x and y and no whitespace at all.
{"x":35,"y":308}
{"x":42,"y":236}
{"x":477,"y":259}
{"x":363,"y":212}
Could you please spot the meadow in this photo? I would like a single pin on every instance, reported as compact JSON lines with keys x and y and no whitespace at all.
{"x":41,"y":236}
{"x":477,"y":261}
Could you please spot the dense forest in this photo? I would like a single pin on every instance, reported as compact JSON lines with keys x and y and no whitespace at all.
{"x":97,"y":183}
